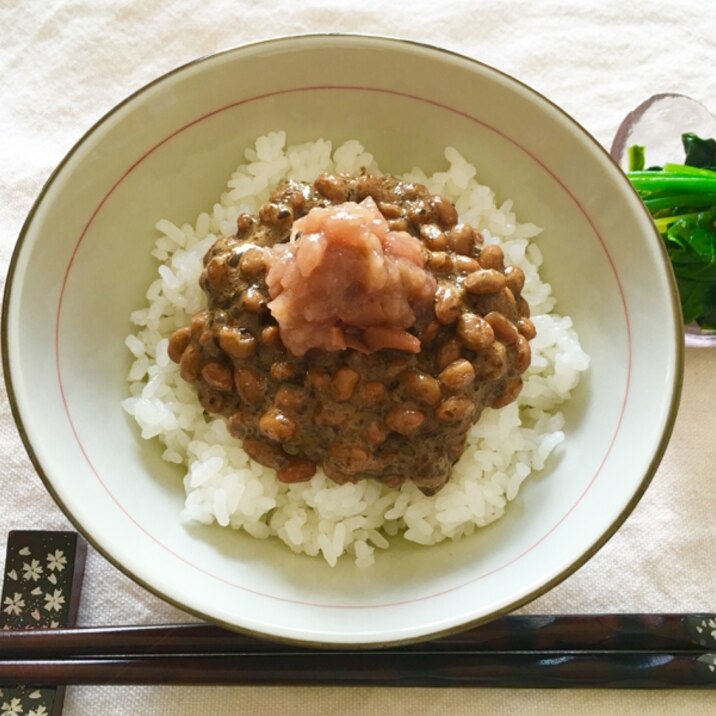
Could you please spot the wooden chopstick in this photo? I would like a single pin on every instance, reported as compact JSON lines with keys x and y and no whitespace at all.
{"x":565,"y":633}
{"x":596,"y":651}
{"x":453,"y":669}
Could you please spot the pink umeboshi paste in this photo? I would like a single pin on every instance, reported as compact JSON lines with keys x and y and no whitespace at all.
{"x":345,"y":280}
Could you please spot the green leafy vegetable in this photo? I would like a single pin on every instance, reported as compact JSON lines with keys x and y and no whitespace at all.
{"x":682,"y":200}
{"x":636,"y":158}
{"x":699,"y":152}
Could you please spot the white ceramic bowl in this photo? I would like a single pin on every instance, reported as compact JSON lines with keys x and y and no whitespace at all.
{"x":82,"y":264}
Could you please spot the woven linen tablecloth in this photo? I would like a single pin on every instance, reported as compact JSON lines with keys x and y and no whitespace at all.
{"x":64,"y":63}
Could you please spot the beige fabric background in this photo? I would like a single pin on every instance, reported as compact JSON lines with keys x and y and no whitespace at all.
{"x":64,"y":63}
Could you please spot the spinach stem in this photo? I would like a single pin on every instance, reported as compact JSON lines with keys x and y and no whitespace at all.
{"x":675,"y":201}
{"x":667,"y":181}
{"x":686,"y":169}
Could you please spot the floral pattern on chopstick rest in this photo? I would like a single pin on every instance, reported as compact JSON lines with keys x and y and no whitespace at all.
{"x":42,"y":580}
{"x":29,"y":701}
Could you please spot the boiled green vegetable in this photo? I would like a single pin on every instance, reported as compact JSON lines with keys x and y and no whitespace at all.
{"x":699,"y":152}
{"x":682,"y":201}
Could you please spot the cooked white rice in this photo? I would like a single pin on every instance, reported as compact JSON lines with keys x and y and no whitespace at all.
{"x":319,"y":517}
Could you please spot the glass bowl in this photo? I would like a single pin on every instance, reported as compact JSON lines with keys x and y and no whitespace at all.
{"x":658,"y":123}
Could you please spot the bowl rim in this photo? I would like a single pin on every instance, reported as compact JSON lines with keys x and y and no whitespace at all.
{"x":543,"y":588}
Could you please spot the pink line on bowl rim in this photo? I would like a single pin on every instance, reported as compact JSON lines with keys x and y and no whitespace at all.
{"x":320,"y":88}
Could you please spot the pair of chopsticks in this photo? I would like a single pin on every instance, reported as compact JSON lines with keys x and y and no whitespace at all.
{"x":596,"y":651}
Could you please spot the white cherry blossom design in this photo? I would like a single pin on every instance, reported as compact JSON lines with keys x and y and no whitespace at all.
{"x":57,"y":560}
{"x":11,"y":708}
{"x":32,"y":571}
{"x":39,"y":711}
{"x":14,"y":604}
{"x":54,"y":601}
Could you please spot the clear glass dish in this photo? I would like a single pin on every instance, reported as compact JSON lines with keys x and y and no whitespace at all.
{"x":658,"y":123}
